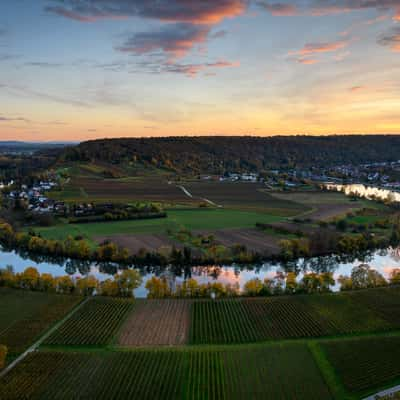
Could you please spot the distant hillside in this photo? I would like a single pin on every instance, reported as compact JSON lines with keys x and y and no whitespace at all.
{"x":220,"y":154}
{"x":26,"y":147}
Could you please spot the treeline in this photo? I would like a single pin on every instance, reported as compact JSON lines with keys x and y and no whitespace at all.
{"x":122,"y":216}
{"x":122,"y":285}
{"x":222,"y":154}
{"x":80,"y":249}
{"x":362,"y":277}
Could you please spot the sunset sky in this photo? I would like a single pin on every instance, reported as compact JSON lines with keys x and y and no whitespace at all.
{"x":81,"y":69}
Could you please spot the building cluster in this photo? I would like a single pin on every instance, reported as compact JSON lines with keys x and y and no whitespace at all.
{"x":35,"y":198}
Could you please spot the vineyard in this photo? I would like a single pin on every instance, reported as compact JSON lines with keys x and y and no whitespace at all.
{"x":25,"y":315}
{"x":95,"y":323}
{"x":157,"y":322}
{"x":384,"y":302}
{"x":364,"y":364}
{"x":345,"y":314}
{"x":270,"y":372}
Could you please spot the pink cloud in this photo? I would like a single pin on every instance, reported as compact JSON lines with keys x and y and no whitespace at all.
{"x":357,"y":88}
{"x":193,"y":11}
{"x":308,"y":61}
{"x":323,"y":47}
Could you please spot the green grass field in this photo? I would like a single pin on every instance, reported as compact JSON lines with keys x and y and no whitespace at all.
{"x":202,"y":219}
{"x":25,"y":315}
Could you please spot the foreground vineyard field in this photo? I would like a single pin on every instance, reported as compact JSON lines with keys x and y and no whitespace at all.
{"x":25,"y":315}
{"x":96,"y":323}
{"x":267,"y":372}
{"x":252,"y":320}
{"x":229,"y":321}
{"x":363,"y":364}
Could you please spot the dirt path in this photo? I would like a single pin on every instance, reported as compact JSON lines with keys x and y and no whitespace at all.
{"x":35,"y":345}
{"x":201,"y":198}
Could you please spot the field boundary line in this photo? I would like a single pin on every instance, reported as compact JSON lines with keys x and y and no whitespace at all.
{"x":35,"y":345}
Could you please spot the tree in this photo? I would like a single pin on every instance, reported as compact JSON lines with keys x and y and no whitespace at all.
{"x":29,"y":279}
{"x":7,"y":276}
{"x":47,"y":283}
{"x":3,"y":356}
{"x":157,"y":288}
{"x":363,"y":277}
{"x":291,"y":283}
{"x":253,"y":287}
{"x":345,"y":283}
{"x":127,"y":281}
{"x":395,"y":276}
{"x":109,"y":287}
{"x":87,"y":285}
{"x":65,"y":284}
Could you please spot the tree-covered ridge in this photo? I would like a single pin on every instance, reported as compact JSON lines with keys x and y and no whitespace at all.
{"x":219,"y":154}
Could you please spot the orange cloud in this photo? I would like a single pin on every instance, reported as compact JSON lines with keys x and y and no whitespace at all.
{"x":193,"y":11}
{"x":327,"y":47}
{"x":356,"y":88}
{"x":308,"y":61}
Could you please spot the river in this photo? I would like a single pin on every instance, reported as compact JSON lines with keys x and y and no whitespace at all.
{"x":383,"y":261}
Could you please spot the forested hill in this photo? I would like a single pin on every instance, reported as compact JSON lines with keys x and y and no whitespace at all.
{"x":217,"y":154}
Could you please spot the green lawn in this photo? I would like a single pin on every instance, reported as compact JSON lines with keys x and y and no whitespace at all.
{"x":207,"y":219}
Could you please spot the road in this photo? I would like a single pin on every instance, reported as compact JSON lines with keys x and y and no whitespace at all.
{"x":386,"y":392}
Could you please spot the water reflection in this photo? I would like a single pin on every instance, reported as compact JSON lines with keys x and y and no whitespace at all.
{"x":383,"y":260}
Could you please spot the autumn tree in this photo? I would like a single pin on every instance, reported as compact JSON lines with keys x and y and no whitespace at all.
{"x":395,"y":276}
{"x":253,"y":287}
{"x":109,"y":287}
{"x":157,"y":288}
{"x":29,"y":279}
{"x":87,"y":286}
{"x":127,"y":281}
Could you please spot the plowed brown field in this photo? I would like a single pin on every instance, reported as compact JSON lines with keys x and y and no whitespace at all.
{"x":157,"y":322}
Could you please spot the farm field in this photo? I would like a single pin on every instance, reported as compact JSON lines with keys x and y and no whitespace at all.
{"x":201,"y":219}
{"x":92,"y":188}
{"x":254,"y":239}
{"x":157,"y":322}
{"x":383,"y":302}
{"x":267,"y":372}
{"x":322,"y":205}
{"x":224,"y":321}
{"x":25,"y":315}
{"x":134,"y":243}
{"x":363,"y":364}
{"x":95,"y":323}
{"x":245,"y":196}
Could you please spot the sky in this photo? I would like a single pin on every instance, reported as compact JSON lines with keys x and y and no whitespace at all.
{"x":73,"y":70}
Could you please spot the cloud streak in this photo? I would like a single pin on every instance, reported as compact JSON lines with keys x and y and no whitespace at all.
{"x":391,"y":39}
{"x":190,"y":11}
{"x":321,"y":47}
{"x":280,"y":9}
{"x":175,"y":40}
